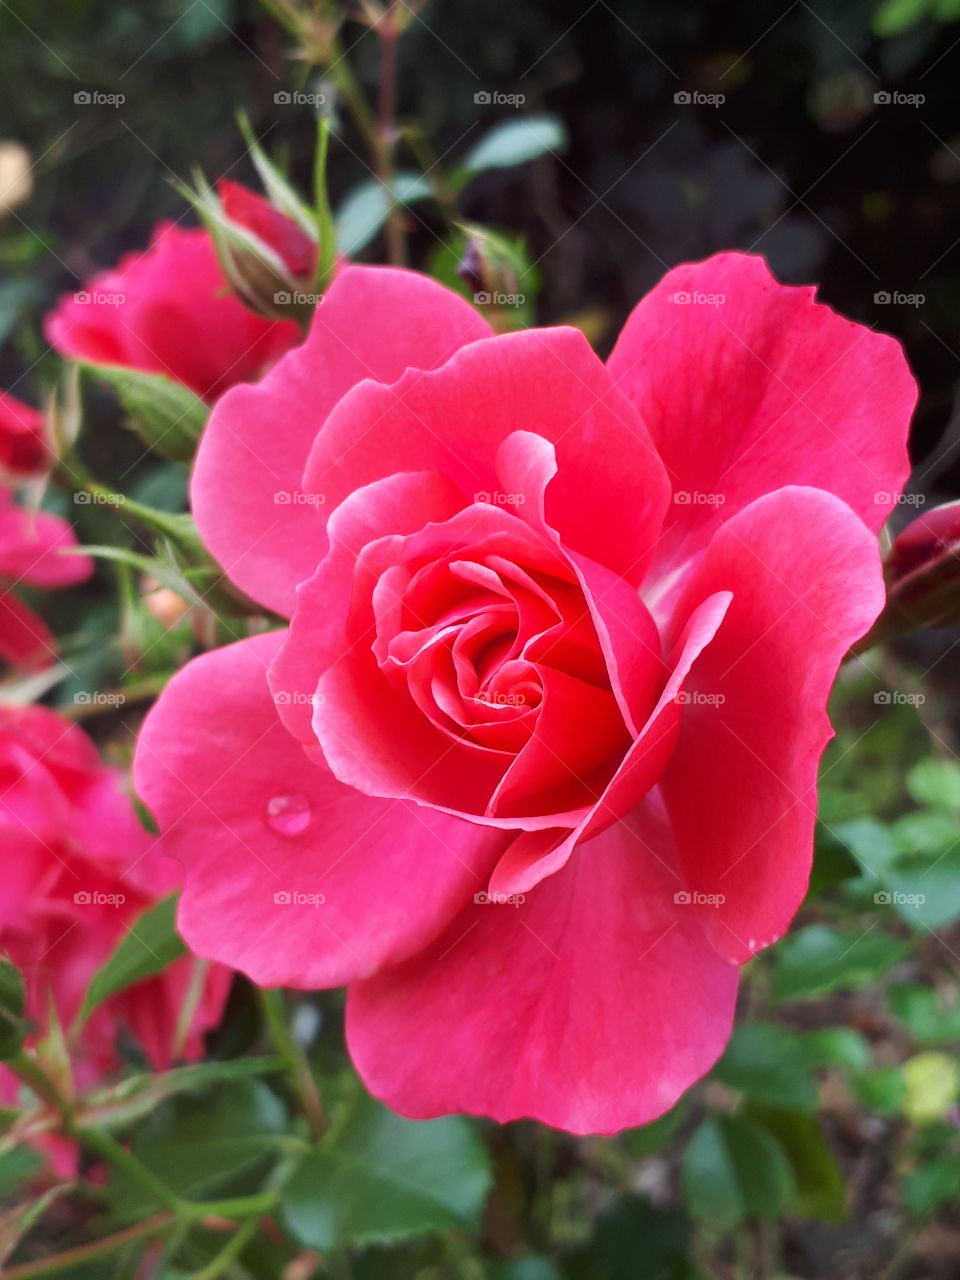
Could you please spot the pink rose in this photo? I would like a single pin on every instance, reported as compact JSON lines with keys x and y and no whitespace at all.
{"x":31,"y":547}
{"x":169,"y":310}
{"x":23,"y":443}
{"x":78,"y":870}
{"x":533,"y":769}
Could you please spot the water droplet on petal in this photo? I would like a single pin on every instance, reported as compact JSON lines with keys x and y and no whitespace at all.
{"x":289,"y":815}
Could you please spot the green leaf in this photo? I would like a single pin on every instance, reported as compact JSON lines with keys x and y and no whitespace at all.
{"x":634,"y":1241}
{"x":934,"y":1184}
{"x":12,"y":1007}
{"x":368,"y":206}
{"x":894,"y":16}
{"x":381,"y":1178}
{"x":922,"y":1011}
{"x":649,"y":1138}
{"x":151,"y":945}
{"x":137,"y":1096}
{"x":880,"y":1088}
{"x":766,"y":1061}
{"x":819,"y":1188}
{"x":931,"y":1082}
{"x":871,"y":843}
{"x":818,"y":959}
{"x":516,"y":142}
{"x":936,"y":784}
{"x":527,"y":1268}
{"x":167,"y":416}
{"x":219,"y":1140}
{"x":733,"y":1169}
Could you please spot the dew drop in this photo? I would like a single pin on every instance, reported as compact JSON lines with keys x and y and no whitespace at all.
{"x":289,"y":815}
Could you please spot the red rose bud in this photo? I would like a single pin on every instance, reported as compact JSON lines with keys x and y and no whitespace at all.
{"x":23,"y":439}
{"x":923,"y":572}
{"x":289,"y":241}
{"x":268,"y":258}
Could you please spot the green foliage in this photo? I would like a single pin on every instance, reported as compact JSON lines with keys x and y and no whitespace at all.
{"x":151,"y":944}
{"x":380,"y":1177}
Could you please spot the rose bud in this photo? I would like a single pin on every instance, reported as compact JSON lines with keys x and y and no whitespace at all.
{"x":923,"y":572}
{"x":268,"y":258}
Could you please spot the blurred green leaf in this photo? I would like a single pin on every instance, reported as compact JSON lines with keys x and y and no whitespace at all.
{"x":18,"y":1220}
{"x":137,"y":1096}
{"x":151,"y":944}
{"x":380,"y":1177}
{"x":931,"y":1081}
{"x":819,"y":1188}
{"x":934,"y":1184}
{"x":880,"y":1088}
{"x":515,"y":142}
{"x":167,"y":416}
{"x":922,"y":1012}
{"x":766,"y":1061}
{"x":936,"y":783}
{"x":217,"y":1140}
{"x":367,"y":207}
{"x":818,"y":959}
{"x":734,"y":1169}
{"x":12,"y":1007}
{"x":634,"y":1241}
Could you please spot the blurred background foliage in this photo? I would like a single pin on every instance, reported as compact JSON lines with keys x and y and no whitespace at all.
{"x":827,"y":1141}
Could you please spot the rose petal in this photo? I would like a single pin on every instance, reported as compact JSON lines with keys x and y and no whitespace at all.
{"x":251,"y":818}
{"x":591,"y":1006}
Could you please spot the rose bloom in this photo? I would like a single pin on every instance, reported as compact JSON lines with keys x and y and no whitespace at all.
{"x":168,"y":309}
{"x":533,"y":769}
{"x":31,"y":554}
{"x":23,"y":442}
{"x":78,"y":870}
